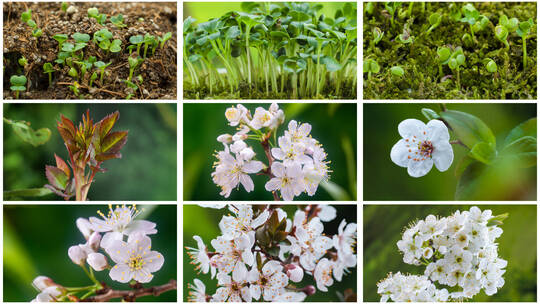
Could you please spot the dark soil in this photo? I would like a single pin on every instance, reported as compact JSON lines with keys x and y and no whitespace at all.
{"x":159,"y":71}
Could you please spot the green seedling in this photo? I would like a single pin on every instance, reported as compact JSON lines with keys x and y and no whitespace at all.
{"x":137,"y":40}
{"x":82,"y":38}
{"x":116,"y":46}
{"x":18,"y":84}
{"x":149,"y":40}
{"x":476,"y":21}
{"x":454,"y":12}
{"x":73,"y":73}
{"x":392,"y":7}
{"x":118,"y":21}
{"x":48,"y":69}
{"x":37,"y":32}
{"x":22,"y":61}
{"x":94,"y":13}
{"x":62,"y":56}
{"x":443,"y":56}
{"x":369,"y":7}
{"x":397,"y":71}
{"x":501,"y":33}
{"x":371,"y":66}
{"x":434,"y":20}
{"x":84,"y":66}
{"x":61,"y":38}
{"x":93,"y":77}
{"x":523,"y":31}
{"x":511,"y":24}
{"x":64,"y":7}
{"x":491,"y":66}
{"x":164,"y":39}
{"x":377,"y":36}
{"x":133,"y":63}
{"x":456,"y":61}
{"x":26,"y":16}
{"x":75,"y":89}
{"x":101,"y":66}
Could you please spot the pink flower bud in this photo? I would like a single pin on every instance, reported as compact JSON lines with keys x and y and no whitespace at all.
{"x":98,"y":261}
{"x":309,"y":290}
{"x":77,"y":254}
{"x":84,"y":226}
{"x":225,"y":138}
{"x":295,"y":273}
{"x":42,"y":282}
{"x":54,"y":291}
{"x":94,"y":241}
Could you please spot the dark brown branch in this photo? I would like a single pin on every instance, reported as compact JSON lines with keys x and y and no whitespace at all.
{"x":131,"y":295}
{"x":458,"y":142}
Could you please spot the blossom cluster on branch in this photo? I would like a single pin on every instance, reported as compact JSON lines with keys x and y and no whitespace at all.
{"x":458,"y":251}
{"x":296,"y":163}
{"x":263,"y":255}
{"x":120,"y":238}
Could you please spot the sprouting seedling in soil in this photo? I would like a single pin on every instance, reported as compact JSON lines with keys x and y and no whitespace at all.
{"x":93,"y":77}
{"x":371,"y":66}
{"x":397,"y":71}
{"x":103,"y":39}
{"x":434,"y":20}
{"x":476,"y":21}
{"x":75,"y":89}
{"x":48,"y":69}
{"x":18,"y":84}
{"x":149,"y":40}
{"x":93,"y":12}
{"x":22,"y":61}
{"x":27,"y":18}
{"x":80,"y":38}
{"x":456,"y":60}
{"x":37,"y":32}
{"x":443,"y":56}
{"x":377,"y":36}
{"x":101,"y":66}
{"x":73,"y":73}
{"x":164,"y":39}
{"x":61,"y":38}
{"x":523,"y":31}
{"x":116,"y":46}
{"x":118,"y":21}
{"x":133,"y":63}
{"x":88,"y":146}
{"x":137,"y":40}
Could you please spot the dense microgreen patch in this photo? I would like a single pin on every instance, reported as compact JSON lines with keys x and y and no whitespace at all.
{"x":450,"y":50}
{"x":274,"y":50}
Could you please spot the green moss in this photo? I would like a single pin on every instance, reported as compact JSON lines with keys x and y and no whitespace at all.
{"x":419,"y":59}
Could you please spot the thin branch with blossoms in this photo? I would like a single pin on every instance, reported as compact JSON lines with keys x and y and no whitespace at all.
{"x":107,"y":294}
{"x":263,"y":255}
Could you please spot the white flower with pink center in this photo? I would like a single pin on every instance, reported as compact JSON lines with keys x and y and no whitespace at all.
{"x":270,"y":282}
{"x":231,"y":290}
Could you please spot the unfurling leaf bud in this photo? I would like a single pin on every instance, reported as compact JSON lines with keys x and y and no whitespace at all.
{"x":77,"y":254}
{"x":94,"y":241}
{"x":295,"y":273}
{"x":42,"y":282}
{"x":98,"y":261}
{"x":84,"y":226}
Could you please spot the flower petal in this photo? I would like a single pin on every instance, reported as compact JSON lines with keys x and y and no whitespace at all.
{"x":278,"y":169}
{"x":437,"y":131}
{"x":154,"y":260}
{"x":411,"y":127}
{"x":400,"y":153}
{"x":143,"y":226}
{"x":239,"y":272}
{"x":142,"y":276}
{"x":419,"y":168}
{"x":121,"y":273}
{"x":253,"y":166}
{"x":273,"y":184}
{"x":443,"y":156}
{"x":247,"y":182}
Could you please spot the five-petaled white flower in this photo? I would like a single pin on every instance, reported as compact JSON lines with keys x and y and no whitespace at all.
{"x":288,"y":180}
{"x":323,"y":274}
{"x":197,"y":292}
{"x":422,"y":146}
{"x":242,"y":221}
{"x":231,"y":290}
{"x":134,"y":259}
{"x":271,"y":281}
{"x":200,"y":257}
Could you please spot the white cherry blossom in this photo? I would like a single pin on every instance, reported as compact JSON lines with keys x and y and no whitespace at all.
{"x":288,"y":180}
{"x":197,"y":292}
{"x":270,"y":282}
{"x":231,"y":290}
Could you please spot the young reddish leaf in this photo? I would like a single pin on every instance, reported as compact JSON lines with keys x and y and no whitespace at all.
{"x":58,"y":192}
{"x":114,"y":142}
{"x":107,"y":123}
{"x":56,"y":177}
{"x":106,"y":156}
{"x":67,"y":124}
{"x":61,"y":164}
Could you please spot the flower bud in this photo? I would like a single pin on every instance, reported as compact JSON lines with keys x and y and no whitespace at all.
{"x":43,"y":297}
{"x":55,"y":291}
{"x":77,"y":254}
{"x":295,"y":273}
{"x":98,"y":261}
{"x":94,"y":241}
{"x":247,"y":153}
{"x":309,"y":290}
{"x":84,"y":226}
{"x":42,"y":282}
{"x":225,"y":138}
{"x":238,"y":146}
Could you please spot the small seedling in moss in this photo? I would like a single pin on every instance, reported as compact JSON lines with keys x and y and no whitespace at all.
{"x":491,"y":66}
{"x":64,"y":7}
{"x":476,"y":21}
{"x":93,"y":77}
{"x":48,"y":69}
{"x":22,"y":61}
{"x":456,"y":60}
{"x":443,"y":56}
{"x":511,"y":24}
{"x":377,"y":36}
{"x":137,"y":40}
{"x":369,"y":8}
{"x":397,"y":71}
{"x":101,"y":66}
{"x":371,"y":66}
{"x":61,"y":38}
{"x":94,"y":13}
{"x":434,"y":20}
{"x":18,"y":84}
{"x":501,"y":33}
{"x":118,"y":21}
{"x":392,"y":7}
{"x":164,"y":39}
{"x":133,"y":63}
{"x":523,"y":31}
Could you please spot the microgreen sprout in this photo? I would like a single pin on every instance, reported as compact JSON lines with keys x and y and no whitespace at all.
{"x":73,"y":73}
{"x":64,"y":6}
{"x":434,"y":21}
{"x":392,"y":7}
{"x":502,"y":34}
{"x":27,"y":17}
{"x":523,"y":31}
{"x":397,"y":71}
{"x":137,"y":40}
{"x":81,"y":38}
{"x":75,"y":89}
{"x":61,"y":38}
{"x":377,"y":36}
{"x":94,"y":13}
{"x":443,"y":56}
{"x":371,"y":66}
{"x":116,"y":46}
{"x":149,"y":40}
{"x":133,"y":63}
{"x":22,"y":61}
{"x":48,"y":69}
{"x":118,"y":21}
{"x":93,"y":77}
{"x":18,"y":84}
{"x":491,"y":66}
{"x":101,"y":66}
{"x":476,"y":21}
{"x":456,"y":60}
{"x":164,"y":39}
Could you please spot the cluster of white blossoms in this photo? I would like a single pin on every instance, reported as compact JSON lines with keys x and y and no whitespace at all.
{"x":125,"y":241}
{"x":458,"y":251}
{"x":422,"y":146}
{"x":248,"y":266}
{"x":296,"y":164}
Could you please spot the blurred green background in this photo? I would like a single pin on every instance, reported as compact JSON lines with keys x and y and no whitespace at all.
{"x":204,"y":11}
{"x":146,"y":171}
{"x":37,"y":238}
{"x":333,"y":125}
{"x":384,"y":224}
{"x":384,"y":180}
{"x":204,"y":223}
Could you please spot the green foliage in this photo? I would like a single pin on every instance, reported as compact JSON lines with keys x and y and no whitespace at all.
{"x":164,"y":39}
{"x":118,"y":21}
{"x":22,"y":61}
{"x":397,"y":71}
{"x":18,"y":83}
{"x":94,"y":13}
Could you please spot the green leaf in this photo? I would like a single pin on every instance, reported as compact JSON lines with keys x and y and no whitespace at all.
{"x":115,"y":46}
{"x":331,"y":64}
{"x":527,"y":128}
{"x":114,"y":141}
{"x":56,"y":177}
{"x":17,"y":194}
{"x":484,"y":152}
{"x":16,"y":80}
{"x":468,"y":128}
{"x":23,"y":130}
{"x":462,"y":165}
{"x":430,"y":114}
{"x":522,"y":152}
{"x":81,"y":37}
{"x":335,"y":191}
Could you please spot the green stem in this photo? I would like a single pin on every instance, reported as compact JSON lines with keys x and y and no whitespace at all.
{"x":50,"y":79}
{"x":472,"y":32}
{"x":248,"y":28}
{"x":524,"y":53}
{"x":458,"y":85}
{"x":319,"y":46}
{"x":90,"y":275}
{"x":89,"y":293}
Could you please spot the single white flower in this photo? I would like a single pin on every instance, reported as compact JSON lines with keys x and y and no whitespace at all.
{"x":197,"y":292}
{"x":422,"y":146}
{"x":326,"y":213}
{"x":323,"y":274}
{"x":134,"y":259}
{"x":234,"y":255}
{"x":261,"y":119}
{"x":97,"y":261}
{"x":344,"y":243}
{"x":294,"y":272}
{"x":200,"y":257}
{"x":242,"y":222}
{"x":236,"y":115}
{"x":270,"y":282}
{"x":287,"y":180}
{"x":231,"y":291}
